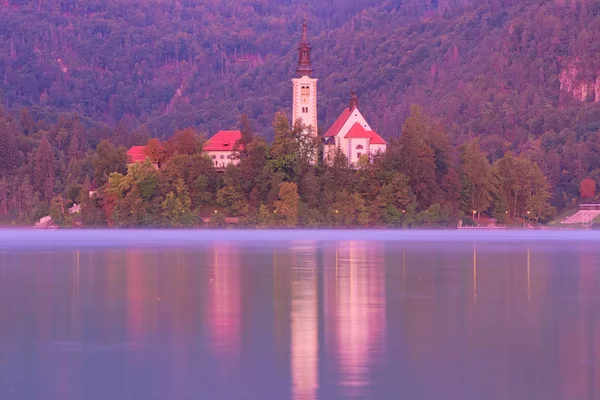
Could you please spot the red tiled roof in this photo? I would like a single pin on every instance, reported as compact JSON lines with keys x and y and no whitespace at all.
{"x":222,"y":141}
{"x":376,"y":139}
{"x":339,"y":123}
{"x":357,"y":131}
{"x":136,"y":154}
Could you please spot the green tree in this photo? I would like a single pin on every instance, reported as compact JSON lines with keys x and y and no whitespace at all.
{"x":176,"y":208}
{"x":418,"y":158}
{"x":523,"y":187}
{"x":231,"y":196}
{"x":284,"y":151}
{"x":8,"y":146}
{"x":108,"y":159}
{"x":476,"y":177}
{"x":44,"y":169}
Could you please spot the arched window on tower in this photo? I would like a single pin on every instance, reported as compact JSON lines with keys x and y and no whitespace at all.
{"x":359,"y":147}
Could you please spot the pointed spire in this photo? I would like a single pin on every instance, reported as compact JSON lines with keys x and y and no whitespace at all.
{"x":304,"y":49}
{"x":353,"y":99}
{"x":304,"y":29}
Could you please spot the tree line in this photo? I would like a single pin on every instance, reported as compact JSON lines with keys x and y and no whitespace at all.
{"x":421,"y":181}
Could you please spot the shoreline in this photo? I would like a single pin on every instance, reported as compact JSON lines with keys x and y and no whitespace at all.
{"x":32,"y":239}
{"x":254,"y":228}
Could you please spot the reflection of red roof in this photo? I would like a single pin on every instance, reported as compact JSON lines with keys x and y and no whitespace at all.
{"x":222,"y":141}
{"x":339,"y":123}
{"x":136,"y":154}
{"x":358,"y":131}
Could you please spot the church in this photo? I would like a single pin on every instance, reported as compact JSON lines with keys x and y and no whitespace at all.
{"x":350,"y":133}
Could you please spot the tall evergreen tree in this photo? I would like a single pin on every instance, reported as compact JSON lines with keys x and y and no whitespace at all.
{"x":44,"y":169}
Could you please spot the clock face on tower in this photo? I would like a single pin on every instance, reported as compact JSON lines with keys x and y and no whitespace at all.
{"x":304,"y":99}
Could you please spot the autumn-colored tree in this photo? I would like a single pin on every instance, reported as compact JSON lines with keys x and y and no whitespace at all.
{"x":155,"y":150}
{"x":185,"y":141}
{"x":587,"y":188}
{"x":349,"y":209}
{"x":287,"y":205}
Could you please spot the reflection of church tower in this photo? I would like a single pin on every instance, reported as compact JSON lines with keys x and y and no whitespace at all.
{"x":304,"y":106}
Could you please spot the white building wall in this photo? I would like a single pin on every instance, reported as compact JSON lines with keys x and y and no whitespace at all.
{"x":221,"y":159}
{"x":306,"y":111}
{"x":348,"y":146}
{"x":356,"y":148}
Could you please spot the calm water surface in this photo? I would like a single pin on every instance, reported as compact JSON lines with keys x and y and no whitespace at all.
{"x":125,"y":315}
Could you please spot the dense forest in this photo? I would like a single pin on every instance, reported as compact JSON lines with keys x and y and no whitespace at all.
{"x":516,"y":80}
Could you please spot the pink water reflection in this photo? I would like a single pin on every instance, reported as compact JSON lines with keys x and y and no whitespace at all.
{"x":304,"y":322}
{"x":355,"y":312}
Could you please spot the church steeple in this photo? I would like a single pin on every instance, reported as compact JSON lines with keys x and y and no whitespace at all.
{"x":304,"y":48}
{"x":353,"y":99}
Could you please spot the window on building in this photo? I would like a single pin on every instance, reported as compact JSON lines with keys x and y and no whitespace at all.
{"x":222,"y":157}
{"x":214,"y":157}
{"x":304,"y":91}
{"x":358,"y":155}
{"x":359,"y":147}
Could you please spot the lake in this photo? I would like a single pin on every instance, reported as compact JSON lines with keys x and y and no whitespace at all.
{"x":132,"y":314}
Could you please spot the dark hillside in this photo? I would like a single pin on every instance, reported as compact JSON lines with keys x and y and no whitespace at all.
{"x":522,"y":76}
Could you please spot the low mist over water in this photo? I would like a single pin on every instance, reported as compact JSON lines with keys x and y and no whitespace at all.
{"x":299,"y":315}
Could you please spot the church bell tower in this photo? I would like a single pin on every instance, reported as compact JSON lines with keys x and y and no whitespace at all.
{"x":304,"y":106}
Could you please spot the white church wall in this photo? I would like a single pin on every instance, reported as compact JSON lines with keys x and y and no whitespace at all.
{"x":304,"y":106}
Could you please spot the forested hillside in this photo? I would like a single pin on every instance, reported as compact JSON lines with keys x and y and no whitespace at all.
{"x":521,"y":77}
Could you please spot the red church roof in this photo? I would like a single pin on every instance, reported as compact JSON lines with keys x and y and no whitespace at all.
{"x":376,"y":139}
{"x":358,"y":131}
{"x":339,"y":123}
{"x":136,"y":154}
{"x":222,"y":141}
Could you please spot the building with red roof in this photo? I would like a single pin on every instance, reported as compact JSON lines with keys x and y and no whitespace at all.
{"x":352,"y":134}
{"x":137,"y":154}
{"x":222,"y":149}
